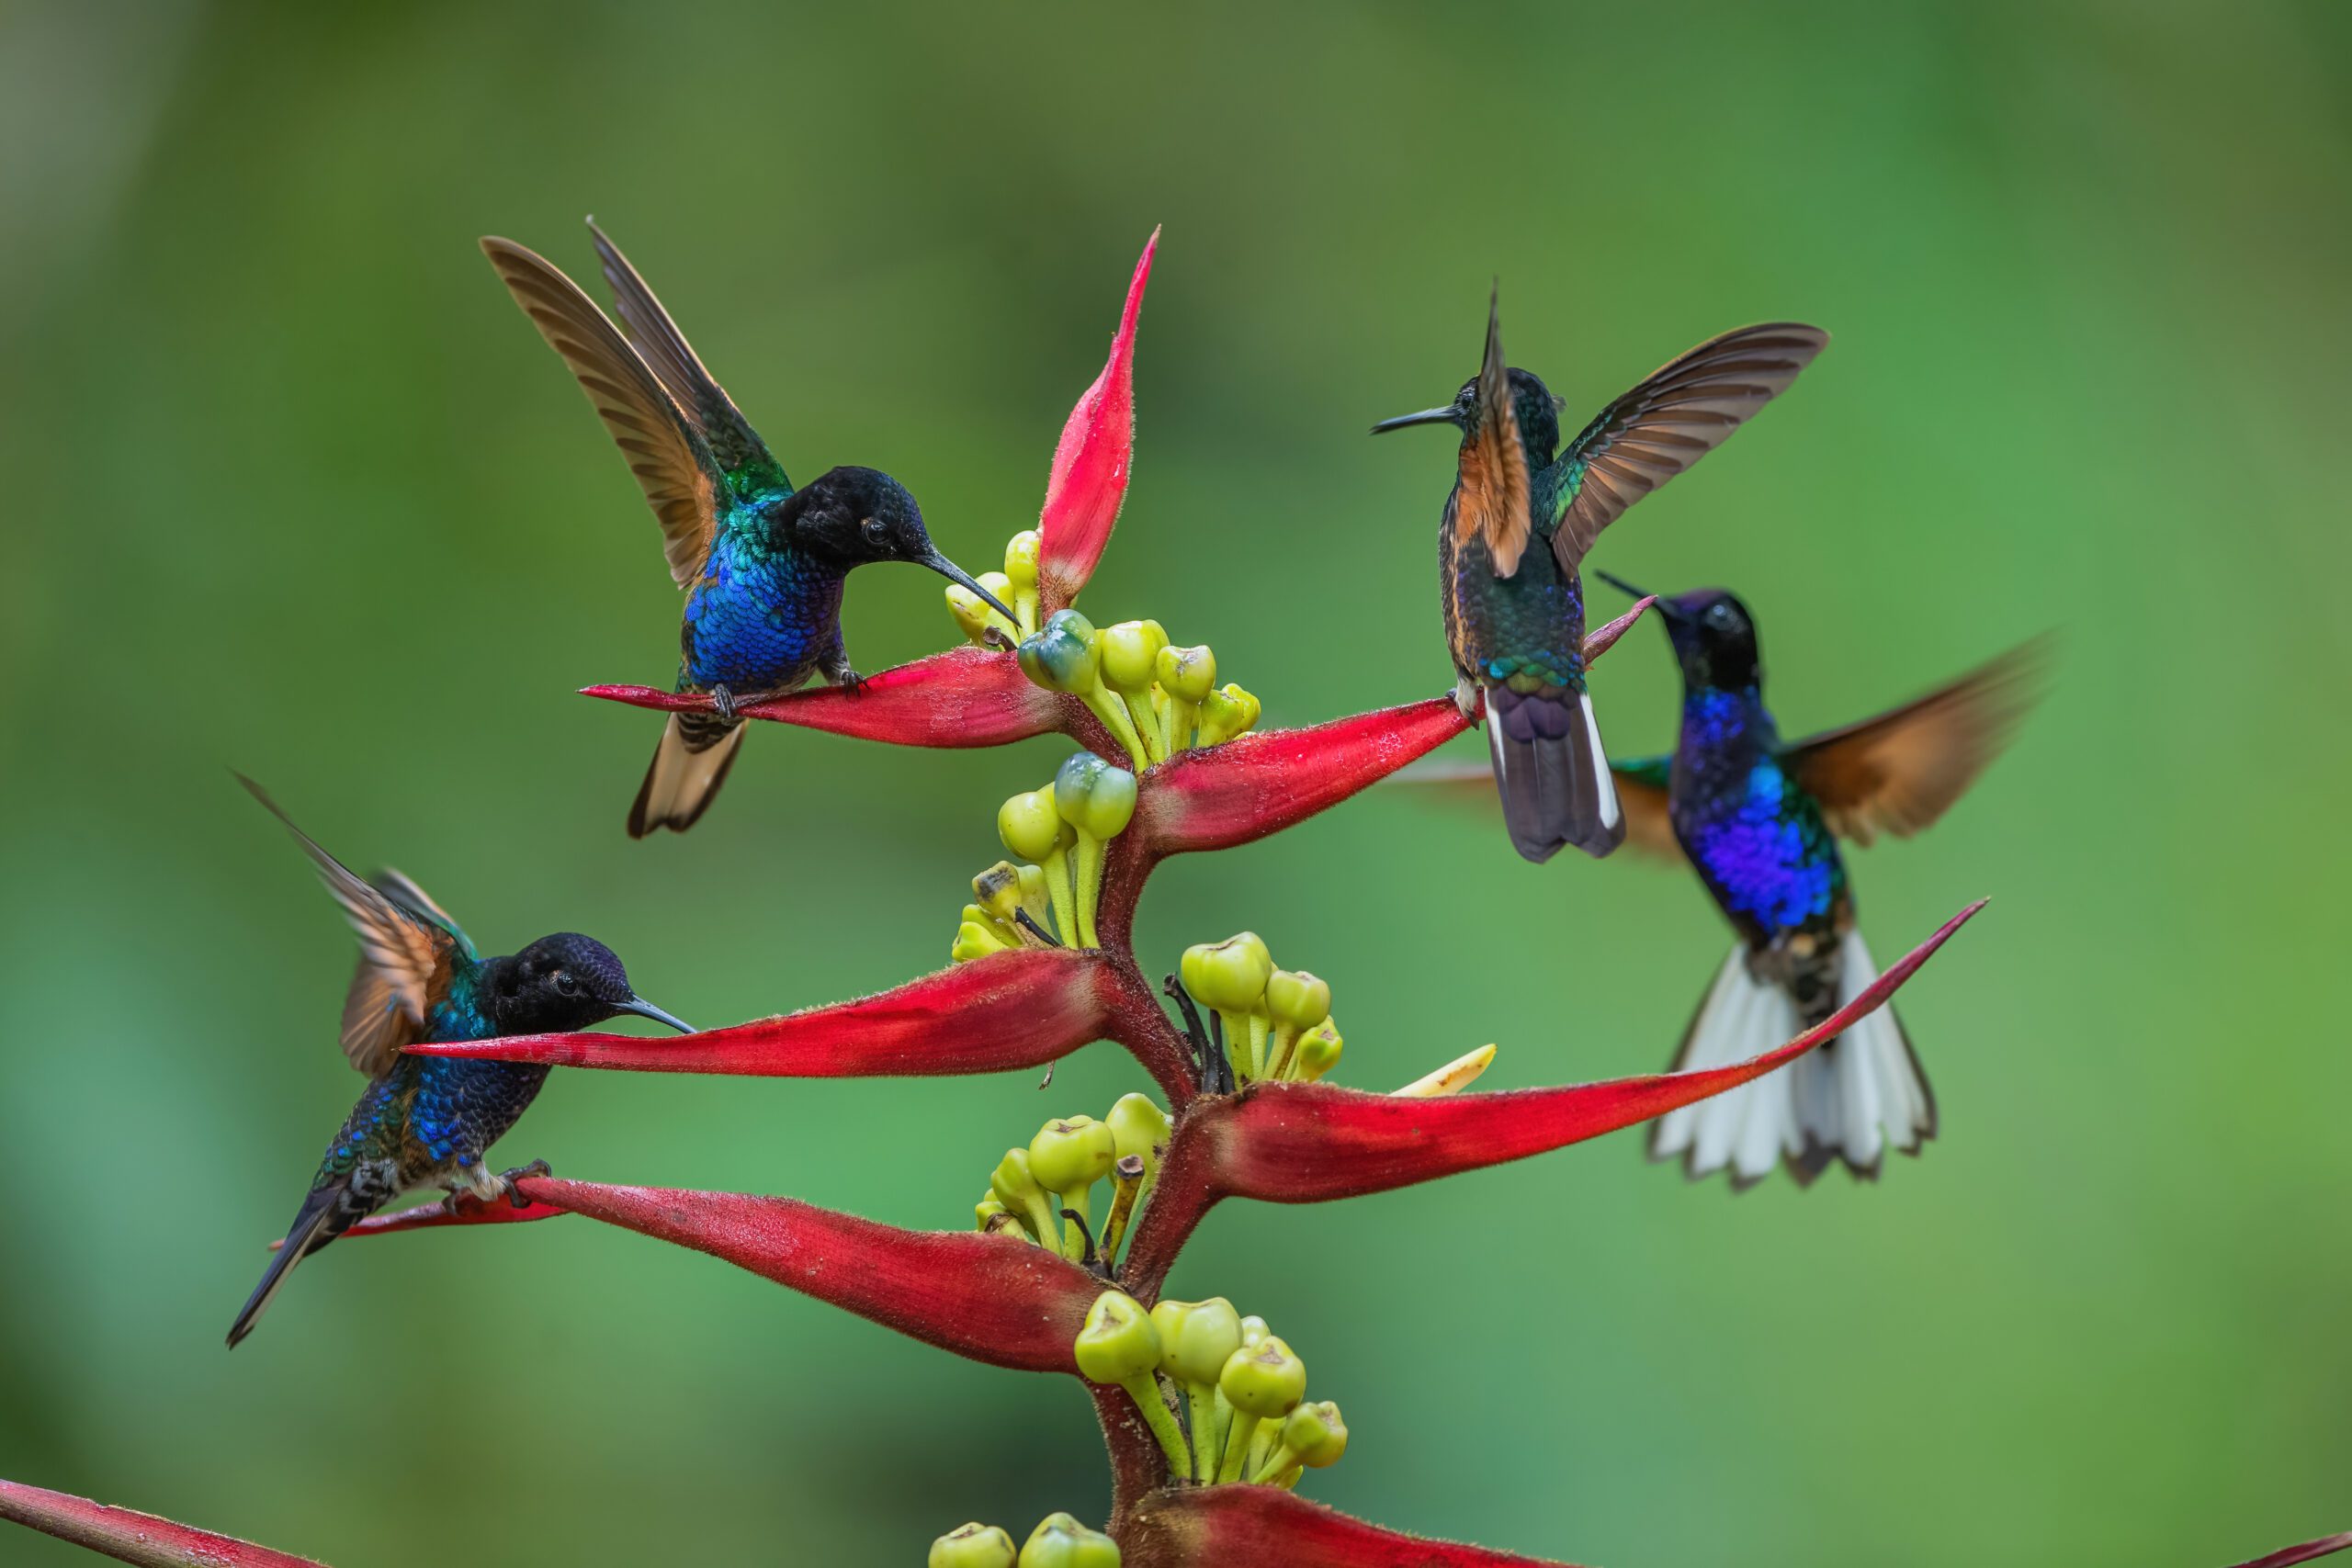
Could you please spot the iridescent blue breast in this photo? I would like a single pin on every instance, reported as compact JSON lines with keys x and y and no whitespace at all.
{"x":1755,"y":836}
{"x":758,"y":620}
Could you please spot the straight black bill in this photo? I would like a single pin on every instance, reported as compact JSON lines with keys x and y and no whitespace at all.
{"x":954,"y":573}
{"x":1427,"y":416}
{"x":644,"y":1008}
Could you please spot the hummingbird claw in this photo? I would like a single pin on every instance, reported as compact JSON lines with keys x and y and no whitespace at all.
{"x":508,"y":1179}
{"x":723,"y":701}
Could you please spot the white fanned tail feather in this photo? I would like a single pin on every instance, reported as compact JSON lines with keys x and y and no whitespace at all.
{"x":1849,"y":1099}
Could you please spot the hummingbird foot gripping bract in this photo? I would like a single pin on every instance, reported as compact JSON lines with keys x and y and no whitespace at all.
{"x":1759,"y":820}
{"x":763,"y":564}
{"x":1516,"y":528}
{"x":428,"y":1122}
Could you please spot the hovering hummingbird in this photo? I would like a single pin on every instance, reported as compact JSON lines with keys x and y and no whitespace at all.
{"x":761,"y":563}
{"x":1516,"y":527}
{"x":1759,"y":820}
{"x":428,"y":1121}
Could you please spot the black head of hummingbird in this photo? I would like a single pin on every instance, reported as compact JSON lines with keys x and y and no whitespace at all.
{"x":565,"y":982}
{"x":1713,"y":636}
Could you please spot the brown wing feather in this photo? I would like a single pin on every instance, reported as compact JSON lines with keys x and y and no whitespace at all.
{"x":1676,"y":416}
{"x":1899,"y":771}
{"x":672,"y":464}
{"x":1648,"y":826}
{"x":405,"y":964}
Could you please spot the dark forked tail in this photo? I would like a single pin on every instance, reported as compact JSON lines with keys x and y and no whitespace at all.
{"x":1551,"y":772}
{"x":311,"y":1229}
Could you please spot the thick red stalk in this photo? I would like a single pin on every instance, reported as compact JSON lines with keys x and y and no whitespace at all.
{"x":133,"y":1536}
{"x":1288,"y":1143}
{"x":1224,"y":1526}
{"x":1092,"y":462}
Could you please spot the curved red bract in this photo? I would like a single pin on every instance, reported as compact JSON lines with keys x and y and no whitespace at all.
{"x":1018,"y":1008}
{"x":961,"y":698}
{"x":1219,"y":1527}
{"x":134,"y":1537}
{"x":1089,"y":478}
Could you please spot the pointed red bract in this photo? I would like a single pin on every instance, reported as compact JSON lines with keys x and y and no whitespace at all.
{"x":1601,"y":638}
{"x":1019,"y":1009}
{"x":470,"y":1211}
{"x":2286,"y":1557}
{"x":133,"y":1536}
{"x":1219,"y":1527}
{"x":1089,"y":479}
{"x":995,"y":1299}
{"x":964,"y":698}
{"x":1292,"y":1143}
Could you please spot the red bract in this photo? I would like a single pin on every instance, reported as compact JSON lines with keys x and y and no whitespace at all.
{"x":1285,"y":1143}
{"x":134,"y":1537}
{"x":1011,"y":1009}
{"x":2286,"y":1557}
{"x":1089,"y":478}
{"x":1217,"y":1525}
{"x":469,"y":1210}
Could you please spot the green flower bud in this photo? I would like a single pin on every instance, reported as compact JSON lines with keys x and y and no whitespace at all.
{"x":974,"y":1545}
{"x":1060,"y":1541}
{"x":1318,"y":1050}
{"x":1229,"y":976}
{"x":1131,"y":654}
{"x":1196,"y":1342}
{"x":1017,"y":1185}
{"x":1263,"y":1379}
{"x":988,"y":1205}
{"x":973,"y":941}
{"x":1118,"y":1343}
{"x":998,"y":890}
{"x":1062,"y":657}
{"x":1020,"y":560}
{"x":1225,"y":713}
{"x":1071,"y":1155}
{"x":1029,"y":825}
{"x":1253,"y":1331}
{"x":1188,"y":673}
{"x":1138,"y":1127}
{"x":1297,"y":999}
{"x":1316,"y":1434}
{"x":972,"y":615}
{"x":1096,"y":798}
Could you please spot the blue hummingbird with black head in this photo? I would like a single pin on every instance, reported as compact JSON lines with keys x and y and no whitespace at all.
{"x":430,"y":1120}
{"x":763,"y":564}
{"x":1522,"y":515}
{"x":1759,"y":818}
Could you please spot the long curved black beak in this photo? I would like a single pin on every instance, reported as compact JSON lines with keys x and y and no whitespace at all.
{"x":644,"y":1008}
{"x":1664,"y":607}
{"x":954,"y":573}
{"x":1427,"y":416}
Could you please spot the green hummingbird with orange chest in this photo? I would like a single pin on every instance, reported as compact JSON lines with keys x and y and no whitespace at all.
{"x":1522,"y":513}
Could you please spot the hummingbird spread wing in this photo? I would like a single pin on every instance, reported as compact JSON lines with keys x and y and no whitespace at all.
{"x":749,"y":465}
{"x":1641,"y":791}
{"x":666,"y":452}
{"x":406,"y":960}
{"x":401,"y":890}
{"x":1490,"y":501}
{"x":1684,"y":410}
{"x":1899,"y":771}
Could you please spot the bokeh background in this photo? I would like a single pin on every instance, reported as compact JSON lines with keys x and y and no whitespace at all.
{"x":291,"y":487}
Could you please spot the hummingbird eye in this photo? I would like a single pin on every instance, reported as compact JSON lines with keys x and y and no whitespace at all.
{"x":565,"y":984}
{"x":876,"y":531}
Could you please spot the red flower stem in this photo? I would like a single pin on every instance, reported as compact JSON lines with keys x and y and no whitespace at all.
{"x":132,"y":1536}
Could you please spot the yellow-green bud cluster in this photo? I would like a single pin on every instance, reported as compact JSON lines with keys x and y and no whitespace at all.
{"x":1155,"y":698}
{"x":1277,"y":1022}
{"x":1058,"y":1542}
{"x":1030,"y":1188}
{"x":1059,"y":832}
{"x":1242,"y":1388}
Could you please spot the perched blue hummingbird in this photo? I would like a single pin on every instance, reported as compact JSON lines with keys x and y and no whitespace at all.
{"x":428,"y":1121}
{"x":1758,"y":819}
{"x":761,"y":563}
{"x":1520,"y":518}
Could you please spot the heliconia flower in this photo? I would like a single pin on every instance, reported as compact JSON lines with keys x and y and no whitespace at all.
{"x":1092,"y":461}
{"x":133,"y":1536}
{"x":1212,"y":1526}
{"x":1021,"y":1009}
{"x":2288,"y":1556}
{"x":1306,"y":1143}
{"x":964,"y":698}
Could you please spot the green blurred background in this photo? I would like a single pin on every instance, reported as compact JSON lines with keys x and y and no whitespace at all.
{"x":294,"y":489}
